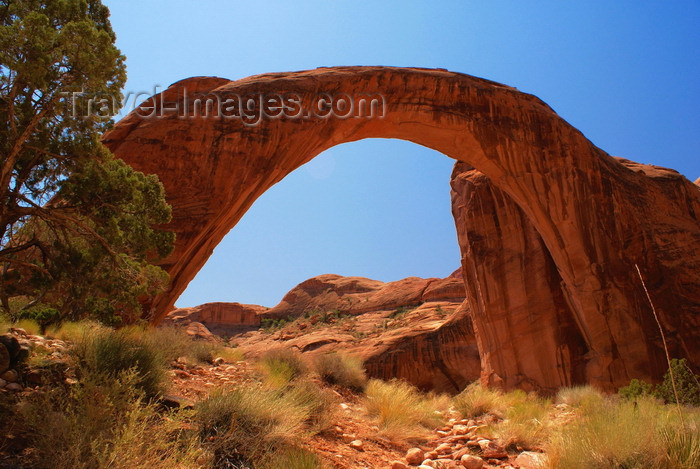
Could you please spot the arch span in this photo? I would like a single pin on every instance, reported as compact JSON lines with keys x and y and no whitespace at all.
{"x":596,"y":217}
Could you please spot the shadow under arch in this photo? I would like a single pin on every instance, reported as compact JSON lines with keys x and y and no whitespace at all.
{"x":570,"y":191}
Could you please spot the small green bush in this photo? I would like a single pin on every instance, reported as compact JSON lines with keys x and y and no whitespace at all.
{"x":687,"y":384}
{"x":635,"y":389}
{"x":44,"y":316}
{"x":280,"y":366}
{"x":104,"y":354}
{"x":273,"y":324}
{"x":342,"y":370}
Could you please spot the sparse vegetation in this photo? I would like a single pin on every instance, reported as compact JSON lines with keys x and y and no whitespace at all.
{"x":281,"y":366}
{"x":577,"y":396}
{"x":400,"y":311}
{"x":104,"y":355}
{"x":606,"y":433}
{"x":273,"y":324}
{"x":342,"y":370}
{"x":255,"y":426}
{"x":687,"y":384}
{"x":103,"y":423}
{"x":527,"y":422}
{"x":635,"y":389}
{"x":402,"y":412}
{"x":477,"y":400}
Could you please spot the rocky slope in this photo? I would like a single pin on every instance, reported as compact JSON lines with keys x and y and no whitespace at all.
{"x":596,"y":217}
{"x":404,"y":329}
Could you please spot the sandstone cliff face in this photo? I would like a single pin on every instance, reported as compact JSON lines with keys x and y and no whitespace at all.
{"x":529,"y":326}
{"x":596,"y":217}
{"x":219,"y":318}
{"x":527,"y":334}
{"x":357,"y":295}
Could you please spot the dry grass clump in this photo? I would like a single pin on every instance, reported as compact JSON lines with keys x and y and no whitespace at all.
{"x":609,"y":433}
{"x":342,"y":370}
{"x":295,"y":458}
{"x":527,"y":421}
{"x":29,"y":325}
{"x":281,"y":366}
{"x":477,"y":400}
{"x":106,"y":424}
{"x":577,"y":396}
{"x":402,"y":412}
{"x":257,"y":427}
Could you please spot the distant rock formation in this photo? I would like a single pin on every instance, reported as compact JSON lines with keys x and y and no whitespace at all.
{"x":220,"y":318}
{"x":595,"y":216}
{"x":414,"y":329}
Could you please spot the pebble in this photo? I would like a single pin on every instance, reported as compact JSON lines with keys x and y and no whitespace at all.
{"x":444,"y":448}
{"x":13,"y":387}
{"x":398,"y":465}
{"x":356,"y":444}
{"x":472,"y":462}
{"x":529,"y":460}
{"x":10,"y":376}
{"x":415,"y":456}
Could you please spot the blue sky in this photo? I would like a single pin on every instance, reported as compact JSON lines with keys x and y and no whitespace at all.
{"x":624,"y":73}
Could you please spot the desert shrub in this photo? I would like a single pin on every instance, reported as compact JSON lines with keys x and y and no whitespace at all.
{"x":476,"y":400}
{"x":74,"y":331}
{"x":317,"y":402}
{"x":623,"y":434}
{"x":106,"y":424}
{"x":104,"y":354}
{"x":29,"y":325}
{"x":687,"y":384}
{"x":273,"y":324}
{"x":527,"y":422}
{"x":635,"y":389}
{"x":342,"y":370}
{"x":248,"y":425}
{"x":402,"y":412}
{"x":577,"y":396}
{"x":44,"y":316}
{"x":682,"y":446}
{"x":280,"y":366}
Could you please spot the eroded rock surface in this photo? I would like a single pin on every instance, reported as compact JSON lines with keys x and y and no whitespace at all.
{"x":414,"y":329}
{"x":596,"y":216}
{"x":219,"y":318}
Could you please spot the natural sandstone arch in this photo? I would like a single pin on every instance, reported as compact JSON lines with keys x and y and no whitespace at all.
{"x":596,"y":217}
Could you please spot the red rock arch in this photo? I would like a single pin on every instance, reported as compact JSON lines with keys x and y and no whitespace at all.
{"x":596,"y":217}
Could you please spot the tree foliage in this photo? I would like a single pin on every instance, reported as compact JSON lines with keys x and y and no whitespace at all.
{"x":78,"y":228}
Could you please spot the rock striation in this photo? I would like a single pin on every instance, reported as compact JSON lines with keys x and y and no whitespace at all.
{"x":596,"y":216}
{"x":219,"y":318}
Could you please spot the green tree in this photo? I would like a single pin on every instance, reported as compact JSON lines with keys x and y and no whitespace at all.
{"x":687,"y":384}
{"x":78,"y":228}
